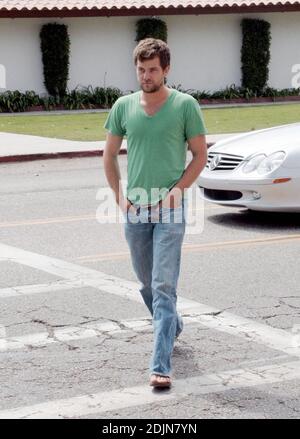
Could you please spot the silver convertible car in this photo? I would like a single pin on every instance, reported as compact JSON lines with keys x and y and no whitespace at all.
{"x":259,"y":170}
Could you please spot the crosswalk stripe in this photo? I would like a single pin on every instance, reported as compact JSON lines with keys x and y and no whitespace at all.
{"x":75,"y":273}
{"x":75,"y":276}
{"x":24,"y":290}
{"x":119,"y":399}
{"x":73,"y":333}
{"x":208,"y":316}
{"x":273,"y":338}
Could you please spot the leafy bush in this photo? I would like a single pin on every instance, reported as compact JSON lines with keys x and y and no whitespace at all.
{"x":200,"y":94}
{"x":273,"y":92}
{"x":179,"y":88}
{"x":89,"y":97}
{"x":15,"y":101}
{"x":230,"y":92}
{"x":75,"y":100}
{"x":233,"y":92}
{"x":49,"y":102}
{"x":111,"y":95}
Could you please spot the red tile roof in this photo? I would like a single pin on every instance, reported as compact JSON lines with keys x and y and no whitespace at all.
{"x":128,"y":6}
{"x":131,"y":4}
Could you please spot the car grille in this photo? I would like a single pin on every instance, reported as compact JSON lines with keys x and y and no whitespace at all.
{"x":221,"y":195}
{"x":226,"y":162}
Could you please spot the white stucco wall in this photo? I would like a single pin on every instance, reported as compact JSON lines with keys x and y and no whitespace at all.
{"x":205,"y":51}
{"x":98,"y":45}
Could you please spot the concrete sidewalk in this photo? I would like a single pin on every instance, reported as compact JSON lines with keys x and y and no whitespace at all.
{"x":21,"y":147}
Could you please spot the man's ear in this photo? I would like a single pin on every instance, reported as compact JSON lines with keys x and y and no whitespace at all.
{"x":166,"y":71}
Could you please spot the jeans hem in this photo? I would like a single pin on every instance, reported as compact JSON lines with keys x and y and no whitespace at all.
{"x":167,"y":375}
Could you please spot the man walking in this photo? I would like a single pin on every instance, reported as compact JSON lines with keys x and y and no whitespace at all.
{"x":159,"y":124}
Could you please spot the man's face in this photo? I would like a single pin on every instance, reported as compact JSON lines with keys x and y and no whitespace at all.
{"x":151,"y":75}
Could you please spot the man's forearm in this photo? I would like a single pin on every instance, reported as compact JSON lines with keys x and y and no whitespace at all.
{"x":113,"y":175}
{"x":192,"y":172}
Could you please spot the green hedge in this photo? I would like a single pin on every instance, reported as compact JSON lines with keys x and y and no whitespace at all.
{"x":151,"y":28}
{"x":84,"y":98}
{"x":55,"y":47}
{"x":100,"y":97}
{"x":255,"y":54}
{"x":15,"y":101}
{"x":89,"y":97}
{"x":233,"y":92}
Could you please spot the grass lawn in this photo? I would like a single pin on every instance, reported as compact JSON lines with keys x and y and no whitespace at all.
{"x":83,"y":127}
{"x":239,"y":119}
{"x":88,"y":127}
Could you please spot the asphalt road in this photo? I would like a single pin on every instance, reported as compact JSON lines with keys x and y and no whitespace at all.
{"x":75,"y":339}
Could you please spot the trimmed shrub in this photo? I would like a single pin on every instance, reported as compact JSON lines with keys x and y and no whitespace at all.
{"x":255,"y":54}
{"x":55,"y":47}
{"x":151,"y":28}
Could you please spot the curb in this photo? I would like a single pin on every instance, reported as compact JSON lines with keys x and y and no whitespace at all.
{"x":60,"y":155}
{"x":53,"y":155}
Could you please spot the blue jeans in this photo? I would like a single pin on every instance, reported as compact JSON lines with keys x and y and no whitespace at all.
{"x":155,"y":241}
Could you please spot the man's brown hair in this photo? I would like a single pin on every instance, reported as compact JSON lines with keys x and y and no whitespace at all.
{"x":149,"y":48}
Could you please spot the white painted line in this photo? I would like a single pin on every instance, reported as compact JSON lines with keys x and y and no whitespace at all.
{"x":72,"y":272}
{"x":97,"y":403}
{"x":59,"y":285}
{"x":76,"y":273}
{"x":73,"y":333}
{"x":3,"y":339}
{"x":206,"y":315}
{"x":273,"y":338}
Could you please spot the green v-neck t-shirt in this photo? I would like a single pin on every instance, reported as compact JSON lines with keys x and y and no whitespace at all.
{"x":157,"y":144}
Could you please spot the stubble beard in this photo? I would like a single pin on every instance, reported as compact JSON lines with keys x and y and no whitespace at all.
{"x":153,"y":89}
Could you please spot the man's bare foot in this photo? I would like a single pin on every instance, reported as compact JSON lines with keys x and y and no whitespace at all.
{"x":160,"y":381}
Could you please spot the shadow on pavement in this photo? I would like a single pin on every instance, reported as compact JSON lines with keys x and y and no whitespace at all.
{"x":274,"y":221}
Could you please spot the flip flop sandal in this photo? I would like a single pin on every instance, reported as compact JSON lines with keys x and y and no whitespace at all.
{"x":156,"y":382}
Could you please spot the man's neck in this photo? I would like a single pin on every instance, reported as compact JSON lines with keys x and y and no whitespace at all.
{"x":158,"y":96}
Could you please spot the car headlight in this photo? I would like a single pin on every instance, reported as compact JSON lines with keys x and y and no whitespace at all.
{"x":252,"y":164}
{"x":271,"y":163}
